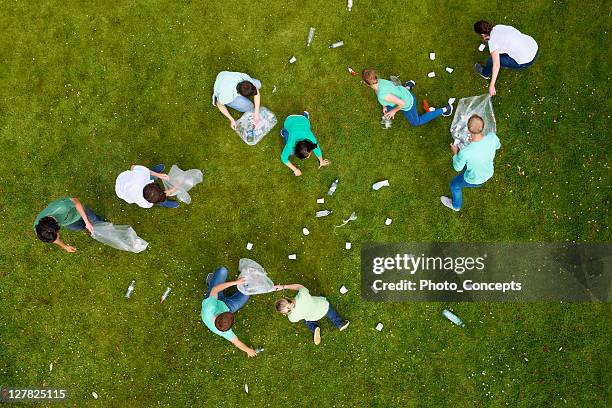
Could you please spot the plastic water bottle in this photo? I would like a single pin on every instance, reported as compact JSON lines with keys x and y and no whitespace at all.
{"x":349,"y":5}
{"x":323,"y":213}
{"x":259,"y":350}
{"x":165,"y":295}
{"x":130,"y":289}
{"x":310,"y":36}
{"x":332,"y":188}
{"x":337,"y":44}
{"x":453,"y":318}
{"x":386,"y":122}
{"x":250,"y":135}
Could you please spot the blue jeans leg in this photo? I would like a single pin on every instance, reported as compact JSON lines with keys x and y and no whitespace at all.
{"x":158,"y":169}
{"x":242,"y":104}
{"x":311,"y":325}
{"x":80,"y":224}
{"x":415,"y":120}
{"x":507,"y":62}
{"x":236,"y":300}
{"x":457,"y":183}
{"x":333,"y":316}
{"x":219,"y":276}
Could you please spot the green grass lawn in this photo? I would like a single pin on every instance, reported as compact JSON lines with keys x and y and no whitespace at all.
{"x":88,"y":88}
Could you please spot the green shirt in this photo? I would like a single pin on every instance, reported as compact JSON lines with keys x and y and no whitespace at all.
{"x":62,"y":210}
{"x":387,"y":87}
{"x":298,"y":127}
{"x":477,"y":158}
{"x":211,"y":308}
{"x":307,"y":307}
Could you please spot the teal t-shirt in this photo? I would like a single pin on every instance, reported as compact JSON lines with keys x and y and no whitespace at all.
{"x":477,"y":158}
{"x":308,"y":307}
{"x":211,"y":307}
{"x":386,"y":87}
{"x":63,"y":210}
{"x":298,"y":127}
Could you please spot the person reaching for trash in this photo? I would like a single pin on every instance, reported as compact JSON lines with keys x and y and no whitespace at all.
{"x":300,"y":141}
{"x":233,"y":89}
{"x":137,"y":185}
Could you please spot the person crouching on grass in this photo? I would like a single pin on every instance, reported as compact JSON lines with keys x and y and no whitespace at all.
{"x":137,"y":186}
{"x":300,"y":141}
{"x":395,"y":98}
{"x":309,"y":308}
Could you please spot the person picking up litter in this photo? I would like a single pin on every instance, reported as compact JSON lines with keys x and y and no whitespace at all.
{"x":309,"y":308}
{"x":395,"y":98}
{"x":509,"y":48}
{"x":66,"y":212}
{"x":300,"y":141}
{"x":218,"y":310}
{"x":475,"y":162}
{"x":233,"y":89}
{"x":137,"y":185}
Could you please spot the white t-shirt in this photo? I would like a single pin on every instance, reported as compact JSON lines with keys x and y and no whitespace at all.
{"x":130,"y":183}
{"x":508,"y":40}
{"x":225,"y":85}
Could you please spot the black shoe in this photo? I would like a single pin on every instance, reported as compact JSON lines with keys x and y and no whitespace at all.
{"x":410,"y":84}
{"x":478,"y":69}
{"x":448,"y":110}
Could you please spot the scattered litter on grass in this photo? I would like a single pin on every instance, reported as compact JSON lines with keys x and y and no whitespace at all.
{"x":343,"y":290}
{"x":432,"y":56}
{"x":332,"y":188}
{"x":94,"y":394}
{"x":348,"y":245}
{"x":337,"y":44}
{"x":274,"y":89}
{"x":349,"y":5}
{"x":292,"y":60}
{"x":449,"y":70}
{"x":246,"y":388}
{"x":388,"y":221}
{"x":292,"y":256}
{"x":386,"y":122}
{"x":323,"y":213}
{"x":352,"y":217}
{"x":379,"y":326}
{"x":320,"y":201}
{"x":165,"y":295}
{"x":481,"y":47}
{"x":453,"y":318}
{"x":311,"y":32}
{"x":351,"y":71}
{"x":50,"y":367}
{"x":431,"y":74}
{"x":130,"y":289}
{"x":380,"y":184}
{"x":305,"y":231}
{"x":249,"y":246}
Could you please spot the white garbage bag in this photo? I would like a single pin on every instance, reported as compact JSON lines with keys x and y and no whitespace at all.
{"x":480,"y":105}
{"x":122,"y":237}
{"x":250,"y":134}
{"x":182,"y":181}
{"x":257,"y":280}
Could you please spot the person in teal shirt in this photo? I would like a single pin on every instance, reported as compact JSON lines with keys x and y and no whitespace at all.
{"x":395,"y":98}
{"x":66,"y":212}
{"x":218,"y":310}
{"x":300,"y":141}
{"x":475,"y":162}
{"x":310,"y":309}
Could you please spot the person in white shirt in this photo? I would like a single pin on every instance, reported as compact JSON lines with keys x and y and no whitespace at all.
{"x":137,"y":186}
{"x":233,"y":89}
{"x":509,"y":48}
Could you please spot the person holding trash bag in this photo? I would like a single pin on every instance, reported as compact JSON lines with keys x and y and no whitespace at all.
{"x":137,"y":185}
{"x":309,"y":308}
{"x":509,"y":48}
{"x":475,"y":162}
{"x":233,"y":89}
{"x":218,"y":310}
{"x":300,"y":141}
{"x":395,"y":98}
{"x":66,"y":212}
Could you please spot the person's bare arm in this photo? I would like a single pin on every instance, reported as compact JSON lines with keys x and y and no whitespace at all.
{"x":62,"y":245}
{"x":81,"y":211}
{"x":250,"y":352}
{"x":294,"y":286}
{"x":394,"y":100}
{"x":294,"y":169}
{"x":225,"y":112}
{"x":257,"y":100}
{"x":222,"y":286}
{"x":495,"y":72}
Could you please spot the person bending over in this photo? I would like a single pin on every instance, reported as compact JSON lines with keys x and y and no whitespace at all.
{"x":300,"y":141}
{"x":233,"y":89}
{"x":137,"y":186}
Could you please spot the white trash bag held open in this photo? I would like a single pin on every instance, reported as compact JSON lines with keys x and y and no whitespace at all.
{"x":480,"y":105}
{"x":251,"y":134}
{"x":257,"y":280}
{"x":122,"y":237}
{"x":182,"y":181}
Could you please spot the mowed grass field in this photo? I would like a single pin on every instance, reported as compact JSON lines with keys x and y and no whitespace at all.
{"x":89,"y":88}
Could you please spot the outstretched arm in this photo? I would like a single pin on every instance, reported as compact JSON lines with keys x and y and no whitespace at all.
{"x":81,"y":211}
{"x":257,"y":99}
{"x":496,"y":65}
{"x":250,"y":352}
{"x":62,"y":245}
{"x":295,"y":286}
{"x":222,"y":286}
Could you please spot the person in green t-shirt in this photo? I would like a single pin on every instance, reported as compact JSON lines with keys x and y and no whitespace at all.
{"x":310,"y":309}
{"x":218,"y":310}
{"x":395,"y":98}
{"x":66,"y":212}
{"x":475,"y":162}
{"x":300,"y":141}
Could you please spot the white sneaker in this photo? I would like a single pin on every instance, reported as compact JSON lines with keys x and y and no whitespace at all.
{"x":448,"y":203}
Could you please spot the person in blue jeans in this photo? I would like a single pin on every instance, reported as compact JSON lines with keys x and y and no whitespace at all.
{"x":309,"y":308}
{"x":509,"y":48}
{"x":137,"y":186}
{"x":474,"y":162}
{"x":233,"y":89}
{"x":218,"y":310}
{"x":395,"y":98}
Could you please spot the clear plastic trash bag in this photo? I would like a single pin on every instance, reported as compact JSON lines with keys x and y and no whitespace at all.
{"x":252,"y":135}
{"x":122,"y":237}
{"x":480,"y":105}
{"x":183,"y":181}
{"x":257,"y":280}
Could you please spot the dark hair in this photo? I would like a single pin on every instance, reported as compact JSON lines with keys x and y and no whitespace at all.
{"x":303,"y":148}
{"x":153,"y":193}
{"x":46,"y":229}
{"x":224,"y":321}
{"x":483,"y":27}
{"x":369,"y":76}
{"x":245,"y":88}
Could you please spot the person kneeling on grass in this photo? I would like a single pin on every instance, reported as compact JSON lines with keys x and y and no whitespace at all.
{"x":218,"y":310}
{"x":394,"y":98}
{"x":65,"y":212}
{"x":300,"y":141}
{"x":137,"y":185}
{"x":233,"y":89}
{"x":310,"y":309}
{"x":475,"y":162}
{"x":509,"y":48}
